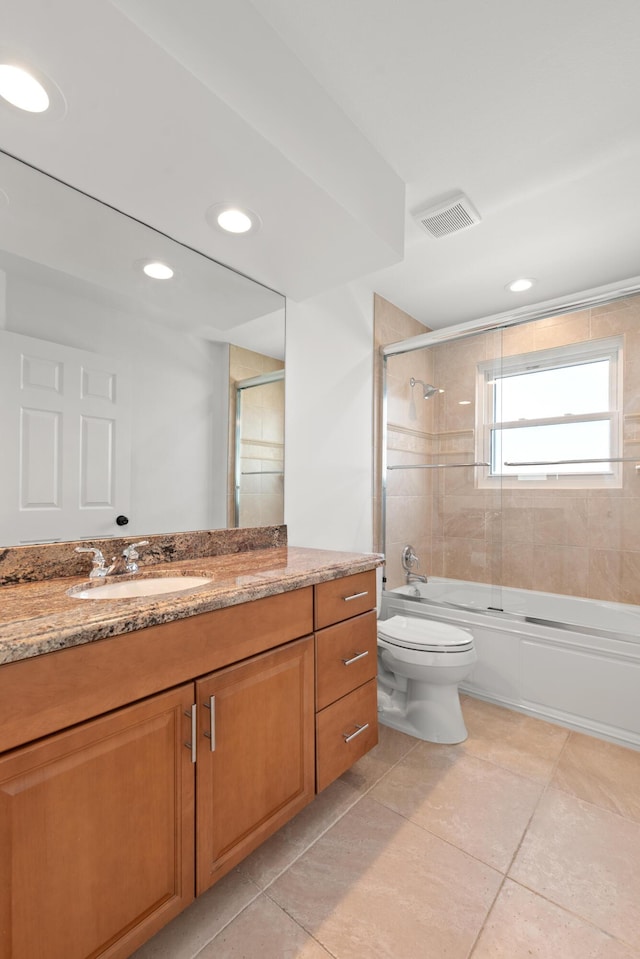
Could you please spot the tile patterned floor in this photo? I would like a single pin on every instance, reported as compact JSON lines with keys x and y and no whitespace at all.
{"x":521,"y":843}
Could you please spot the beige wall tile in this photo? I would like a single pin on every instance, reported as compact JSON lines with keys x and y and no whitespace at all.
{"x":562,"y":330}
{"x":518,"y":566}
{"x":605,"y":574}
{"x":630,"y":592}
{"x":561,"y":569}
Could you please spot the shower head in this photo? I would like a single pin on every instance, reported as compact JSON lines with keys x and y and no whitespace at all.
{"x":428,"y":389}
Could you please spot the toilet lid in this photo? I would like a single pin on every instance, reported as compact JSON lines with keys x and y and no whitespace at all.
{"x":418,"y":633}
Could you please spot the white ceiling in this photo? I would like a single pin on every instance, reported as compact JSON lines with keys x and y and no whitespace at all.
{"x":335,"y":120}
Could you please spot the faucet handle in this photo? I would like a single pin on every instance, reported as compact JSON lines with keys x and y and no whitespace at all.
{"x":409,"y":558}
{"x":98,"y":561}
{"x":131,"y":554}
{"x":131,"y":551}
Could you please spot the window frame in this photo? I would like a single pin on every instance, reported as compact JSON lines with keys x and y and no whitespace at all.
{"x":603,"y":476}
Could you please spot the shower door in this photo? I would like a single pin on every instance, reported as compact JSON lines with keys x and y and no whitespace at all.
{"x":514,"y":458}
{"x":433,"y":492}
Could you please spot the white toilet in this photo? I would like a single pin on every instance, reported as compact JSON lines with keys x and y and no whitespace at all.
{"x":420,"y":663}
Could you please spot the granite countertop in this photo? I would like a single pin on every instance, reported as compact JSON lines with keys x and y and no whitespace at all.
{"x":39,"y":617}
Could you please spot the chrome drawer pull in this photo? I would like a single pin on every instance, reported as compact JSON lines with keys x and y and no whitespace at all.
{"x":348,"y":599}
{"x":354,"y":659}
{"x":359,"y":729}
{"x":194,"y":732}
{"x":211,"y":706}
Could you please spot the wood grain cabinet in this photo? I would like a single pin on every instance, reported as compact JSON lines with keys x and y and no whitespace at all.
{"x":138,"y":770}
{"x":346,"y":669}
{"x":96,"y":833}
{"x":255,"y":764}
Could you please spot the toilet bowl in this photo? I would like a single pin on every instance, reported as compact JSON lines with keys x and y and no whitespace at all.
{"x":420,"y":663}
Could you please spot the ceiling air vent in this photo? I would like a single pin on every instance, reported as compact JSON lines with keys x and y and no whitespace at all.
{"x":448,"y":216}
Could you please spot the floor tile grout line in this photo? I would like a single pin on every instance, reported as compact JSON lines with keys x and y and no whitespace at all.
{"x":434,"y":835}
{"x":334,"y":822}
{"x":589,"y":802}
{"x":301,"y":926}
{"x":505,"y":875}
{"x":572,"y":912}
{"x":486,"y":918}
{"x":543,"y":793}
{"x":492,"y":762}
{"x":263,"y":890}
{"x":229,"y":921}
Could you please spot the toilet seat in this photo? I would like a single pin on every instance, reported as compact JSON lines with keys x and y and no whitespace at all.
{"x":411,"y":632}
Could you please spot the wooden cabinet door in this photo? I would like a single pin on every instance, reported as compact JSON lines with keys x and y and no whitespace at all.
{"x":96,"y":833}
{"x":255,"y":766}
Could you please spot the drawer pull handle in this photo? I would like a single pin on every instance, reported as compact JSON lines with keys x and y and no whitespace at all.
{"x":194,"y":732}
{"x":348,"y":599}
{"x":354,"y":659}
{"x":211,"y":735}
{"x":359,"y":729}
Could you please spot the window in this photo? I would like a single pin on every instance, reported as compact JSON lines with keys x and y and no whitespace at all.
{"x":552,"y":417}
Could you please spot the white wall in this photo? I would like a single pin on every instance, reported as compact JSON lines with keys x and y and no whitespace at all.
{"x":328,"y":431}
{"x":180,"y":402}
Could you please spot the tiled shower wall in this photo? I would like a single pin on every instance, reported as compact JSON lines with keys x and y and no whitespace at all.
{"x":581,"y":542}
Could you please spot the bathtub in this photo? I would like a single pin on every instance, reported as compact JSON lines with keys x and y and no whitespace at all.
{"x":567,"y":659}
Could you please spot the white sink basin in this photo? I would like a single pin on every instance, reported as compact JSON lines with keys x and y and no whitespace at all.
{"x":130,"y":588}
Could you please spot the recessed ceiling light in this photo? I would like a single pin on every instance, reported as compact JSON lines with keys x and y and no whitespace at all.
{"x":232,"y":219}
{"x":21,"y":89}
{"x":464,"y":402}
{"x":158,"y":271}
{"x":519,"y":286}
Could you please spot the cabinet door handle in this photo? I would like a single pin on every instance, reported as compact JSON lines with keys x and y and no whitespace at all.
{"x":348,"y":599}
{"x":359,"y":729}
{"x":211,"y":735}
{"x":194,"y":732}
{"x":354,"y":659}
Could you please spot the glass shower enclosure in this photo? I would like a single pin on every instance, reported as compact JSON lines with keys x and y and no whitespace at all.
{"x":510,"y":455}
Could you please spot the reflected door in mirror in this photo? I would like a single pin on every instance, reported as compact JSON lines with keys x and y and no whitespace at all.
{"x":66,"y":443}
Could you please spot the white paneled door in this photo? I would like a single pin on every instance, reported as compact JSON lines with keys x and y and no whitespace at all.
{"x":65,"y":441}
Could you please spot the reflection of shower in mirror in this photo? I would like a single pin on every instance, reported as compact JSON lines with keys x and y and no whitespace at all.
{"x":428,"y":389}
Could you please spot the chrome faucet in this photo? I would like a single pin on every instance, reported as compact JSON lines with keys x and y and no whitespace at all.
{"x":100,"y":568}
{"x":416,"y":578}
{"x":409,"y":560}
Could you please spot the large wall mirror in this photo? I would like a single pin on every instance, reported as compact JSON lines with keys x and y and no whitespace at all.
{"x":117,"y":389}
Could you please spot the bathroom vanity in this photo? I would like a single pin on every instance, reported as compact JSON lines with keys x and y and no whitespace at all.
{"x":139,"y":767}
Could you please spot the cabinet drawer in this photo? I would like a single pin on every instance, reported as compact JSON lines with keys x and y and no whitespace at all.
{"x":342,"y":598}
{"x":346,"y":657}
{"x":339,"y":742}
